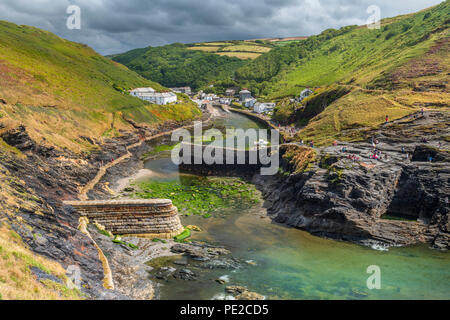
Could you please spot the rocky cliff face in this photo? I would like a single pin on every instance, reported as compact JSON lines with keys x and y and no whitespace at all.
{"x":392,"y":201}
{"x":36,"y":179}
{"x":39,"y":178}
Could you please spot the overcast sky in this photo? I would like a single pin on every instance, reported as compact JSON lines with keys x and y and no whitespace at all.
{"x":113,"y":26}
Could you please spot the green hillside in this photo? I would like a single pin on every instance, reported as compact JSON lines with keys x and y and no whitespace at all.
{"x":61,"y":90}
{"x":359,"y":75}
{"x":350,"y":52}
{"x":176,"y":65}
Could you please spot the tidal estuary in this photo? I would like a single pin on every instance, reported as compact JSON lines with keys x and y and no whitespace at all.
{"x":287,"y":263}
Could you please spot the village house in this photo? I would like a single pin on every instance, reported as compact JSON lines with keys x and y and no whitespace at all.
{"x":138,"y":91}
{"x":226,"y":101}
{"x":185,"y":90}
{"x":210,"y":97}
{"x":231,"y":92}
{"x":249,"y":103}
{"x":244,"y":94}
{"x":263,"y":107}
{"x":149,"y":94}
{"x":304,"y":94}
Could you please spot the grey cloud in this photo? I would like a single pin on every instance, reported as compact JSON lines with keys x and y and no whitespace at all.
{"x":111,"y":26}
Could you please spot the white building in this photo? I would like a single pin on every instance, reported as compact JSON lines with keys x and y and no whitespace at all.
{"x":210,"y":97}
{"x":244,"y":94}
{"x":138,"y":91}
{"x":185,"y":90}
{"x":249,"y":102}
{"x":159,"y":97}
{"x":149,"y":94}
{"x":226,"y":101}
{"x":263,"y":107}
{"x":305,"y":93}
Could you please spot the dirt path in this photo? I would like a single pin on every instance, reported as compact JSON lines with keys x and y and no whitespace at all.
{"x":83,"y":193}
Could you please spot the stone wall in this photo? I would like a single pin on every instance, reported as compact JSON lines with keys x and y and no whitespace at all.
{"x":155,"y":218}
{"x":249,"y":164}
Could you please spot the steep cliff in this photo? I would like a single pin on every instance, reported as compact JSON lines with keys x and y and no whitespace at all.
{"x":395,"y":200}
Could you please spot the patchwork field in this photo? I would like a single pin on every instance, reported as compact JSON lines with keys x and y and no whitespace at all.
{"x":240,"y":55}
{"x":239,"y":49}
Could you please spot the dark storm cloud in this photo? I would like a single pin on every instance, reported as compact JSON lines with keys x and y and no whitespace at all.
{"x":111,"y":26}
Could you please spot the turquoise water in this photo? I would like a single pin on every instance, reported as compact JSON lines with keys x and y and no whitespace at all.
{"x":287,"y":263}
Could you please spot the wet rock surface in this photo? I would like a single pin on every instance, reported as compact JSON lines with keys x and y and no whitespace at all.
{"x":40,"y":179}
{"x":349,"y":199}
{"x":199,"y":251}
{"x":242,"y":293}
{"x":185,"y":274}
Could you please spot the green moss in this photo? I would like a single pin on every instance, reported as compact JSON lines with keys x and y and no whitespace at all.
{"x":398,"y":218}
{"x":62,"y":289}
{"x":30,"y":261}
{"x":117,"y":240}
{"x":159,"y":240}
{"x":201,"y":195}
{"x":335,"y":175}
{"x":7,"y":147}
{"x":182,"y":236}
{"x":157,"y":149}
{"x":162,"y":261}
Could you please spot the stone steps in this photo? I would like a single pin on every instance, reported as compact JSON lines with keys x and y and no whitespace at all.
{"x":153,"y":217}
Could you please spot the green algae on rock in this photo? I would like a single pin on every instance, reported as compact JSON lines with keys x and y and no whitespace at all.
{"x":201,"y":195}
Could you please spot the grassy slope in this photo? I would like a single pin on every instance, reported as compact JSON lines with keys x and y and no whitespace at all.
{"x":176,"y":65}
{"x":16,"y":278}
{"x":363,"y":54}
{"x":380,"y":68}
{"x":62,"y":90}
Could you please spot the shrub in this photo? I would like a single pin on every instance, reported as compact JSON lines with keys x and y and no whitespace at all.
{"x":390,"y":35}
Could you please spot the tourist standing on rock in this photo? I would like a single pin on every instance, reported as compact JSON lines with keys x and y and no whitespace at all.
{"x":387,"y":119}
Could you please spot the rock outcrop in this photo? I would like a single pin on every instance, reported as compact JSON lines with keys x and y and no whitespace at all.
{"x":397,"y":200}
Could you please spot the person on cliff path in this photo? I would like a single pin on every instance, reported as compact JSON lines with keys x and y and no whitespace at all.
{"x":387,"y":119}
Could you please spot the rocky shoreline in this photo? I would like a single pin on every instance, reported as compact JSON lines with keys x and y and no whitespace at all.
{"x":41,"y":178}
{"x":347,"y":195}
{"x":338,"y":198}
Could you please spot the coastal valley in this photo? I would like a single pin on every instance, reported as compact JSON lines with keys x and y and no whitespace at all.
{"x":93,"y":207}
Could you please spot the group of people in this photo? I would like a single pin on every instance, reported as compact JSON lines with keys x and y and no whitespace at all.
{"x":350,"y":156}
{"x":353,"y":157}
